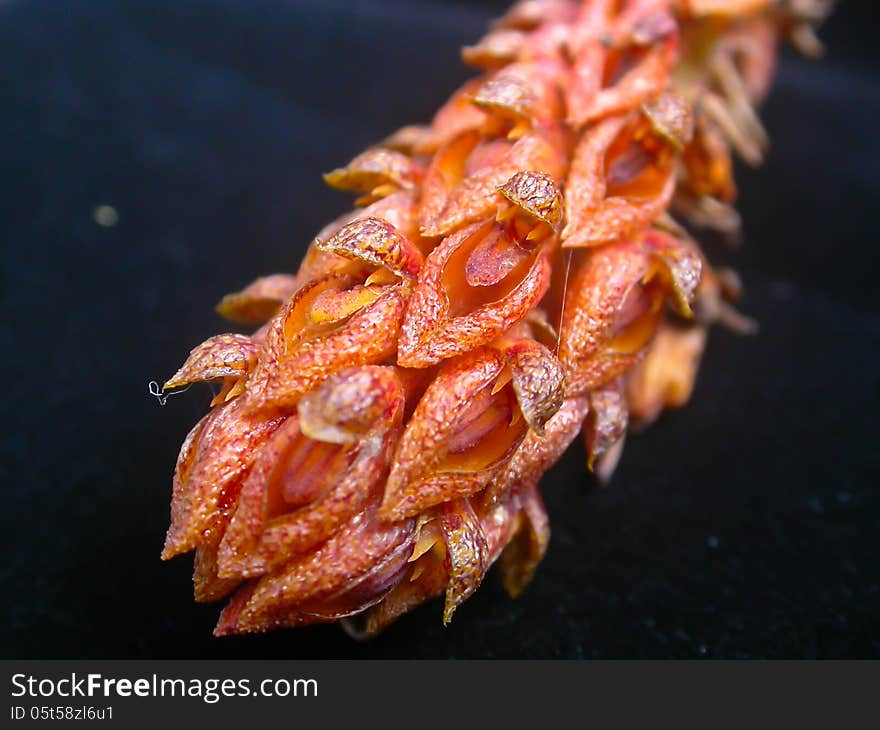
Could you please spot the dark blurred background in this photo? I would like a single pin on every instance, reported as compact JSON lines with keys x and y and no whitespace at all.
{"x":744,"y":525}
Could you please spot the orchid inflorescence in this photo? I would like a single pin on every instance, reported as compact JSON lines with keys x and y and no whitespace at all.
{"x":513,"y":277}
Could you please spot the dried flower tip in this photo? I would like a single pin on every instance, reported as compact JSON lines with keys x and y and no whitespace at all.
{"x":461,"y":183}
{"x":528,"y":14}
{"x":467,"y":558}
{"x":537,"y":379}
{"x":723,"y":8}
{"x":377,"y":172}
{"x":222,"y":356}
{"x":665,"y":378}
{"x":671,"y":119}
{"x":529,"y":543}
{"x":653,"y":27}
{"x":537,"y":194}
{"x":259,"y":301}
{"x":494,"y":50}
{"x":375,"y":242}
{"x":522,"y":94}
{"x":606,"y":422}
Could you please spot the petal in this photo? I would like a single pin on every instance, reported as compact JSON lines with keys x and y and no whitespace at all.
{"x":366,"y":591}
{"x":622,"y":178}
{"x":588,"y":53}
{"x":495,"y":49}
{"x":399,"y":210}
{"x":362,"y":410}
{"x":600,"y":284}
{"x":665,"y":378}
{"x":208,"y":479}
{"x":613,"y":305}
{"x":258,"y":538}
{"x":375,"y":168}
{"x":476,"y":195}
{"x":671,"y":119}
{"x":524,"y":93}
{"x":186,"y":459}
{"x":376,"y":242}
{"x":527,"y":14}
{"x":295,"y":364}
{"x":208,"y":586}
{"x":537,"y":194}
{"x":642,"y":80}
{"x":351,"y":404}
{"x":538,"y":453}
{"x":508,"y":94}
{"x":228,"y":621}
{"x":493,"y":258}
{"x":707,"y":163}
{"x":218,"y":357}
{"x":617,"y":217}
{"x":349,"y":555}
{"x":682,"y":264}
{"x":259,"y":301}
{"x":499,"y":522}
{"x":606,"y":422}
{"x":526,"y":550}
{"x":448,"y":168}
{"x":466,"y":553}
{"x":404,"y":597}
{"x":428,"y":467}
{"x":585,"y":185}
{"x":430,"y":574}
{"x":355,"y":598}
{"x":538,"y":381}
{"x":433,"y":330}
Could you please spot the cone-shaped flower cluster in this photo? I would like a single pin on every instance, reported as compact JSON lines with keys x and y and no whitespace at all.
{"x":511,"y":278}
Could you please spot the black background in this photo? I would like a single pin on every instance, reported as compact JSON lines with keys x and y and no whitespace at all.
{"x":744,"y":525}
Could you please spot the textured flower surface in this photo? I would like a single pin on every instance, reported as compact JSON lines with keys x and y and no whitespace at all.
{"x":511,"y":279}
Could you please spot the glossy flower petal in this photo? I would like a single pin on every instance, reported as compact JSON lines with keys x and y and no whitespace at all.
{"x":526,"y":549}
{"x":316,"y":472}
{"x":605,"y":426}
{"x":377,"y":242}
{"x":222,"y":356}
{"x":446,"y":315}
{"x":461,"y":184}
{"x":613,"y":305}
{"x":259,"y":301}
{"x":331,"y":324}
{"x":466,"y":553}
{"x":461,"y":432}
{"x":665,"y":378}
{"x":212,"y":464}
{"x":376,"y":173}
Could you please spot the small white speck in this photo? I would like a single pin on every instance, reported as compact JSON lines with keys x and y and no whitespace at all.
{"x":105,"y":216}
{"x":713,"y":542}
